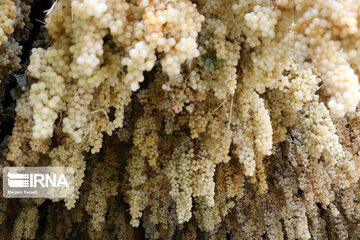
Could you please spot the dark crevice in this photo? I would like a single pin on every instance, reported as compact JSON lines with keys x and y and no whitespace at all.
{"x":37,"y":16}
{"x":7,"y":101}
{"x":42,"y":222}
{"x":7,"y":115}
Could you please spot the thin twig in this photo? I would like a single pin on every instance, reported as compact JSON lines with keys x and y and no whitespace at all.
{"x":99,"y":80}
{"x":228,"y":128}
{"x":92,"y":124}
{"x":317,"y":89}
{"x":52,"y":7}
{"x":100,"y":110}
{"x":40,"y":21}
{"x":87,"y":132}
{"x":200,"y":156}
{"x":60,"y":119}
{"x":220,"y":104}
{"x":50,"y":42}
